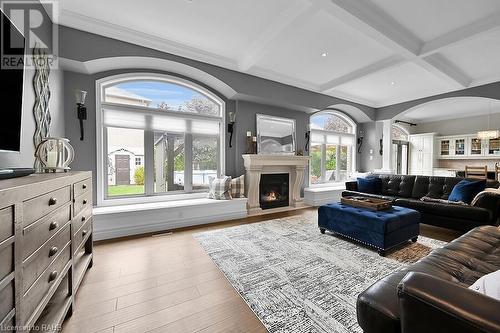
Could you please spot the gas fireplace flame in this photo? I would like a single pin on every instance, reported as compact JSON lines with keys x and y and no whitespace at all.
{"x":271,"y":196}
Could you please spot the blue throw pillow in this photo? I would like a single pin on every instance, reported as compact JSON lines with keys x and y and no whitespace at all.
{"x":466,"y":190}
{"x":371,"y":185}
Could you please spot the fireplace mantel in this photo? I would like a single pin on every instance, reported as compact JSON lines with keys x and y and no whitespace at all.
{"x":255,"y":165}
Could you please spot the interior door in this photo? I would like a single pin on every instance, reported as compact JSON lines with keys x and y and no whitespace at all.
{"x":122,"y":167}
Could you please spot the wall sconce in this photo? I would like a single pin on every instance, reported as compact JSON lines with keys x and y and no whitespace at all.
{"x":381,"y":150}
{"x":360,"y":141}
{"x":230,"y":127}
{"x":80,"y":96}
{"x":308,"y":138}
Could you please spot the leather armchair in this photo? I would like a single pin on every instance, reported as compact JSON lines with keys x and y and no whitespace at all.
{"x":430,"y":304}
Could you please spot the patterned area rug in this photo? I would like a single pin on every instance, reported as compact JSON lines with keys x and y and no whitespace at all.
{"x":298,"y":280}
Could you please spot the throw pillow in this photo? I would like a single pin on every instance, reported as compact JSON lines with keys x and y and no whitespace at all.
{"x":238,"y":187}
{"x":371,"y":185}
{"x":429,"y":199}
{"x":486,"y":192}
{"x":219,"y":188}
{"x":466,"y":190}
{"x":488,"y":285}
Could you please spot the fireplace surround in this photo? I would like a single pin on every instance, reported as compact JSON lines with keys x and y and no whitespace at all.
{"x":258,"y":165}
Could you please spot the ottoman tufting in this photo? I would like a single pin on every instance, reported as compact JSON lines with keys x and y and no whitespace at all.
{"x":382,"y":229}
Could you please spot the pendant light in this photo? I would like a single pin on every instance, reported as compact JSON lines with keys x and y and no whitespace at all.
{"x":490,"y":133}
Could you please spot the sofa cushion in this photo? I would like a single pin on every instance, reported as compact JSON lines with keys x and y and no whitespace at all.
{"x":434,"y":187}
{"x":371,"y":185}
{"x":441,"y":209}
{"x":397,"y":185}
{"x":466,"y":190}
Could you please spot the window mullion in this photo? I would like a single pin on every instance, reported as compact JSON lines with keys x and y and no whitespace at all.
{"x":323,"y":162}
{"x":337,"y":162}
{"x":188,"y":158}
{"x":148,"y":162}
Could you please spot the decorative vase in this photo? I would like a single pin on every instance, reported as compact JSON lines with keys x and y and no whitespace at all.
{"x":55,"y":154}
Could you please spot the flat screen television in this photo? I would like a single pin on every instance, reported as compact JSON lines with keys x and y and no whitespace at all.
{"x":11,"y":93}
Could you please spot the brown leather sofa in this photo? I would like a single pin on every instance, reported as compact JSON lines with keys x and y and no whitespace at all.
{"x":432,"y":295}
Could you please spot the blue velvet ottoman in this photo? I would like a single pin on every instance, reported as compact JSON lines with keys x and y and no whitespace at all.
{"x":382,"y":229}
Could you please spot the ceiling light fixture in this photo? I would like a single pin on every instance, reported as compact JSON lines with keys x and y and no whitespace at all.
{"x":490,"y":133}
{"x":393,"y":83}
{"x":324,"y":54}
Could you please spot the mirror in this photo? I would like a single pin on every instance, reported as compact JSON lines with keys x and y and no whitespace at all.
{"x":275,"y":135}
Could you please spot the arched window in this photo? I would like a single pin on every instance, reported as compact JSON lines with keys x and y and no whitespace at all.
{"x":157,"y":135}
{"x":332,"y":157}
{"x":399,"y":133}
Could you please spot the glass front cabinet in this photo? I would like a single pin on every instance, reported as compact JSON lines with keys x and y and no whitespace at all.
{"x":468,"y":146}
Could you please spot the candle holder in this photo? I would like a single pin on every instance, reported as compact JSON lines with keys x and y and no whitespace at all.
{"x":55,"y":154}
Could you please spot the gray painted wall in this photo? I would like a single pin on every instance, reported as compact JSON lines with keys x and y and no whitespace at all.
{"x":491,"y":90}
{"x":25,"y":158}
{"x":83,"y":46}
{"x":372,"y":134}
{"x":458,"y":126}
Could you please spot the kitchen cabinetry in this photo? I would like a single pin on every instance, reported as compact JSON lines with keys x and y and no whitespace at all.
{"x":422,"y":154}
{"x":467,"y":146}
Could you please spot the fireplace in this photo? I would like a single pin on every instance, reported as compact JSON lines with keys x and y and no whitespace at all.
{"x":274,"y":190}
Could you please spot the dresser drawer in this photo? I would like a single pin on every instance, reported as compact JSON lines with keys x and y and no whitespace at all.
{"x":6,"y":257}
{"x":79,"y":236}
{"x":82,"y":201}
{"x":6,"y":223}
{"x":38,"y":232}
{"x":38,"y":207}
{"x":36,"y":264}
{"x":81,"y":218}
{"x":43,"y":284}
{"x":8,"y":326}
{"x":82,"y":187}
{"x":7,"y":300}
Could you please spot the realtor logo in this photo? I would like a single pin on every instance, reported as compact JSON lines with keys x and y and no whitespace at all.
{"x":28,"y":34}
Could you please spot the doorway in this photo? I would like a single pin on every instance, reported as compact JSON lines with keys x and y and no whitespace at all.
{"x":400,"y":156}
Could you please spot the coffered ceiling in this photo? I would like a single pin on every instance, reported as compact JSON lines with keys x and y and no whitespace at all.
{"x":375,"y":52}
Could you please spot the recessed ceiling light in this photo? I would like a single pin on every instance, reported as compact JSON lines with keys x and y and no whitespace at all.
{"x":324,"y":54}
{"x":393,"y":83}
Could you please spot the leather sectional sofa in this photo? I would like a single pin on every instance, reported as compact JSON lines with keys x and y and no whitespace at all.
{"x":432,"y":295}
{"x":406,"y":191}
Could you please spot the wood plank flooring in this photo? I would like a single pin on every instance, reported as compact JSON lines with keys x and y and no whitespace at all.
{"x":167,"y":283}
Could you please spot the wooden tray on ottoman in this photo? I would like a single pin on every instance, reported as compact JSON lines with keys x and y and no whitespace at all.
{"x":368,"y":203}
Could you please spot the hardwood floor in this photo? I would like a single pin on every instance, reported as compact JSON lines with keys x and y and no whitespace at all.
{"x":167,"y":283}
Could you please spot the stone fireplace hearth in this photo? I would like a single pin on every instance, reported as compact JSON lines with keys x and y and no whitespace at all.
{"x":268,"y":196}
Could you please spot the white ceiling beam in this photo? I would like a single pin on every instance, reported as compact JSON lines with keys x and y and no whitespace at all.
{"x":372,"y":21}
{"x":445,"y":70}
{"x":461,"y":34}
{"x":257,"y":49}
{"x":362,"y":72}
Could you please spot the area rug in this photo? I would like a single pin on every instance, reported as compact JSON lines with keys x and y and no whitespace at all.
{"x":298,"y":280}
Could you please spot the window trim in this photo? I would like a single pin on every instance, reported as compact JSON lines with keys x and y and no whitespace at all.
{"x":101,"y":137}
{"x":323,"y":132}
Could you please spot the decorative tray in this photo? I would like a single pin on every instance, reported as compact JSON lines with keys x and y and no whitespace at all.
{"x":368,"y":203}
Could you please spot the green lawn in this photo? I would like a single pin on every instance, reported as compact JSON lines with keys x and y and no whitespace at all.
{"x":116,"y":190}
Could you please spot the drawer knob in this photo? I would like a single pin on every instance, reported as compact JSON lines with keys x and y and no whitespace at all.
{"x":53,"y":250}
{"x":84,"y":218}
{"x":53,"y":225}
{"x":52,"y":276}
{"x":84,"y":186}
{"x":84,"y":232}
{"x":84,"y":201}
{"x":52,"y":201}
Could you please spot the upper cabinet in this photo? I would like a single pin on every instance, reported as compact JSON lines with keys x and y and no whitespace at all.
{"x":467,"y":146}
